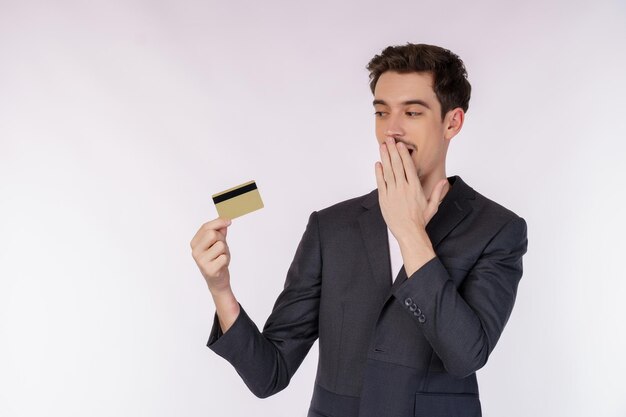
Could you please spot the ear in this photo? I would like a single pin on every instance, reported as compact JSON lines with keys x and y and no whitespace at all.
{"x":453,"y":123}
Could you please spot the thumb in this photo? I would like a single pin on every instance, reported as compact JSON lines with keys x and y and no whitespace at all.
{"x":435,"y":196}
{"x":433,"y":202}
{"x":223,"y":230}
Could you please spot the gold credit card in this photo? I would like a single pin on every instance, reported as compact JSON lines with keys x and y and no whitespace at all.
{"x":238,"y":200}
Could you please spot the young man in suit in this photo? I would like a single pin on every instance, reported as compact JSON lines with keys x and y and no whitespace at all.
{"x":408,"y":287}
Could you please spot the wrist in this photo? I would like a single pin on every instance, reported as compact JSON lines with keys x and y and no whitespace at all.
{"x":226,"y":307}
{"x":416,"y":251}
{"x":223,"y":293}
{"x":417,"y":237}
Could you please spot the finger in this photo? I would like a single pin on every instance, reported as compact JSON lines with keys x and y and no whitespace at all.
{"x":387,"y":169}
{"x":214,"y":224}
{"x":218,"y":248}
{"x":380,"y":180}
{"x":409,"y":165}
{"x":207,"y":240}
{"x":396,"y":161}
{"x":222,"y":261}
{"x":213,"y":263}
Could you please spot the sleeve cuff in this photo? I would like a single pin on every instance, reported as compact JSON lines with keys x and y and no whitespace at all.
{"x":225,"y":344}
{"x":418,"y":294}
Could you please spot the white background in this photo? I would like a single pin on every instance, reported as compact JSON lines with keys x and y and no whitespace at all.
{"x":119,"y":119}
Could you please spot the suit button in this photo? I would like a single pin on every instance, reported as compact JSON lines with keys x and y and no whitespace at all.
{"x":413,"y":307}
{"x":421,"y":318}
{"x":408,"y":302}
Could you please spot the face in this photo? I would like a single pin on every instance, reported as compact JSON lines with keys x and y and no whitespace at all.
{"x":407,"y":109}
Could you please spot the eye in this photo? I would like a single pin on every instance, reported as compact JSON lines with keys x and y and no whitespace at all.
{"x":379,"y":113}
{"x":413,"y":113}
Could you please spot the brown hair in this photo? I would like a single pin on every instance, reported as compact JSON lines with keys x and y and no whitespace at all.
{"x":449,"y":75}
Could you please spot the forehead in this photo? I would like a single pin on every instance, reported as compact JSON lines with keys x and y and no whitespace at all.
{"x":394,"y":87}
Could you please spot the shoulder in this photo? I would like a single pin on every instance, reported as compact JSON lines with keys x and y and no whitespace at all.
{"x":493,"y":208}
{"x":344,"y":215}
{"x":349,"y":208}
{"x":495,"y":216}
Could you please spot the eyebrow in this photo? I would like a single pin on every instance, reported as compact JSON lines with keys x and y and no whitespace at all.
{"x":406,"y":103}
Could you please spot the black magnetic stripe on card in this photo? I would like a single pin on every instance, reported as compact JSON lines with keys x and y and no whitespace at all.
{"x":234,"y":193}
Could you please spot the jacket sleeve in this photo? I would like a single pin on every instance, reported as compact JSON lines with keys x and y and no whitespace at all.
{"x":267,"y":360}
{"x":463,"y":325}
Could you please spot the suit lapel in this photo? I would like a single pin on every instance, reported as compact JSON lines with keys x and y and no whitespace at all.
{"x":452,"y":210}
{"x":374,"y":232}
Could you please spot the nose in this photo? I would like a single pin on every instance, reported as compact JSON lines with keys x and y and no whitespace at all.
{"x":394,"y":127}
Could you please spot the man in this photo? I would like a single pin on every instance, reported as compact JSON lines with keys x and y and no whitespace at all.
{"x":408,"y":287}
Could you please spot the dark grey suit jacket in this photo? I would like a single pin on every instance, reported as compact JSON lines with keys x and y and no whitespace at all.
{"x":401,"y":350}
